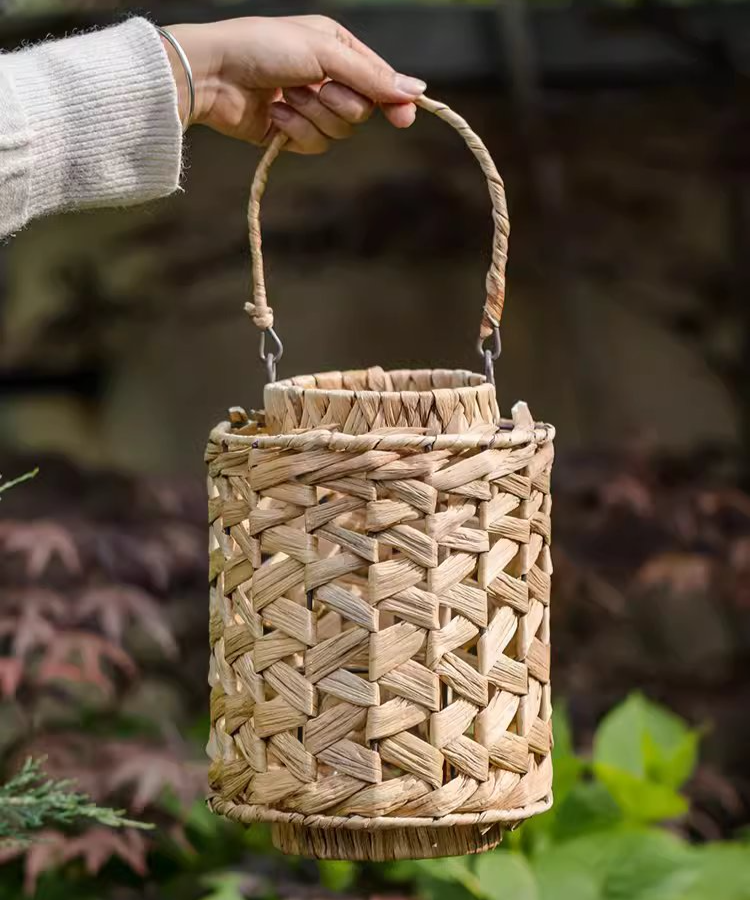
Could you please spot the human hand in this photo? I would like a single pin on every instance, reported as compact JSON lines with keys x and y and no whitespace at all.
{"x":306,"y":76}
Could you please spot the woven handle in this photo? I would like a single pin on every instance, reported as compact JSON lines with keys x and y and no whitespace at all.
{"x":262,"y":314}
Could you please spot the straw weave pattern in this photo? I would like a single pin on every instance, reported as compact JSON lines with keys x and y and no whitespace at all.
{"x":261,"y":313}
{"x":442,"y":401}
{"x":379,"y":619}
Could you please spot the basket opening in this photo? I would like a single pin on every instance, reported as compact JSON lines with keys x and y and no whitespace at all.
{"x":440,"y":401}
{"x":377,"y":379}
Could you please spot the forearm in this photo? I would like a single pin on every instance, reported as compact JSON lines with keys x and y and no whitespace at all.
{"x":94,"y":120}
{"x":85,"y":122}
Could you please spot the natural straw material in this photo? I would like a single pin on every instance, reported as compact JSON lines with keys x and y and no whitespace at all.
{"x":262,"y":314}
{"x":380,"y":635}
{"x":439,"y":400}
{"x":380,"y":583}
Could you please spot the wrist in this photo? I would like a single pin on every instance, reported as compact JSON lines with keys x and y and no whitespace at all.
{"x":194,"y":41}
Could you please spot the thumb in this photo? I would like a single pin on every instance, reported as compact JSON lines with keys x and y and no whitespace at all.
{"x":366,"y":74}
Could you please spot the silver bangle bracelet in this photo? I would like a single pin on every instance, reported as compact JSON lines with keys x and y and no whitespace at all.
{"x":182,"y":56}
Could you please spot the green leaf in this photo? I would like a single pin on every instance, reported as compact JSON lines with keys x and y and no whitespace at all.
{"x":560,"y":877}
{"x":198,"y":819}
{"x":641,"y":800}
{"x":567,"y":775}
{"x":400,"y":871}
{"x":563,"y":733}
{"x":337,"y":874}
{"x":645,"y":740}
{"x":649,"y":866}
{"x":440,"y":879}
{"x":258,"y":839}
{"x":619,"y":738}
{"x":199,"y":729}
{"x":224,"y":886}
{"x":622,"y":864}
{"x":723,"y":873}
{"x":503,"y":875}
{"x":673,"y":766}
{"x":588,"y":807}
{"x":450,"y":868}
{"x":535,"y":835}
{"x":567,"y":767}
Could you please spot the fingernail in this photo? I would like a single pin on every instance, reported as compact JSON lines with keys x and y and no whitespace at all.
{"x":412,"y":87}
{"x":296,"y":95}
{"x":279,"y":111}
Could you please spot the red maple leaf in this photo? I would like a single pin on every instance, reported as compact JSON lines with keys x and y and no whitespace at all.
{"x":151,"y":771}
{"x":739,"y":554}
{"x":80,"y":656}
{"x":186,"y":544}
{"x":11,"y":672}
{"x":72,"y":756}
{"x":124,"y":557}
{"x":41,"y":541}
{"x":714,"y":502}
{"x":95,"y":847}
{"x":628,"y":492}
{"x":156,"y":559}
{"x":33,"y":622}
{"x":106,"y":768}
{"x":48,"y":603}
{"x":115,"y":606}
{"x":31,"y":630}
{"x":682,"y":572}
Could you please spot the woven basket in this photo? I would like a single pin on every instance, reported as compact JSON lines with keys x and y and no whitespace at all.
{"x":380,"y":583}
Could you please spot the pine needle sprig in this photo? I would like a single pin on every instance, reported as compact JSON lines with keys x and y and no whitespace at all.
{"x":30,"y":801}
{"x":27,"y":476}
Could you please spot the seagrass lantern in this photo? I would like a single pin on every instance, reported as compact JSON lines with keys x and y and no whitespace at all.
{"x":380,"y":585}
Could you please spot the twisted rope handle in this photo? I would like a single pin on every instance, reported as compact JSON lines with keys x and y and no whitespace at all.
{"x":262,"y":314}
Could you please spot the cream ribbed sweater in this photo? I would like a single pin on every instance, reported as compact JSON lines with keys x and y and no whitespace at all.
{"x":87,"y":121}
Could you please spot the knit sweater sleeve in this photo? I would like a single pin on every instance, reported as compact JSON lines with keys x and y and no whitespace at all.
{"x":87,"y":121}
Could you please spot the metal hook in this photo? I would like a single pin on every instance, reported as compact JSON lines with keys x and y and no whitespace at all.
{"x":270,"y":368}
{"x":279,"y":352}
{"x":273,"y":356}
{"x":490,"y":355}
{"x":489,"y":367}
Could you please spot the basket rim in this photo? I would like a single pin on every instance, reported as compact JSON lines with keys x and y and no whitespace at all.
{"x":292,"y":384}
{"x":505,"y":435}
{"x":359,"y":401}
{"x":250,"y":813}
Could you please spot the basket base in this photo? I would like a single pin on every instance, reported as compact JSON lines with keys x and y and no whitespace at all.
{"x":384,"y":844}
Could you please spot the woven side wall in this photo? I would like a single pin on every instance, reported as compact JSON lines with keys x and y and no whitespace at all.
{"x":441,"y":401}
{"x":380,"y":634}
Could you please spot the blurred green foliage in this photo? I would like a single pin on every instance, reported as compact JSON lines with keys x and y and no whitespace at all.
{"x":600,"y":840}
{"x":612,"y":834}
{"x":31,"y":802}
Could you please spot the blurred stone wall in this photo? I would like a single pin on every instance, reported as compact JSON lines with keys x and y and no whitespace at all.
{"x":376,"y":255}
